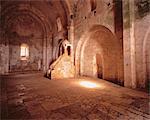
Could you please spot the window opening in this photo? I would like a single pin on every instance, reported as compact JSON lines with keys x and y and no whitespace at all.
{"x":24,"y":51}
{"x":93,"y":5}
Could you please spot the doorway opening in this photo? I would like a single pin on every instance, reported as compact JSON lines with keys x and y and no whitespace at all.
{"x":99,"y":66}
{"x":69,"y":50}
{"x":100,"y":43}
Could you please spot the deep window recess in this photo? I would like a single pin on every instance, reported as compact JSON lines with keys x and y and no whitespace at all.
{"x":24,"y":51}
{"x":93,"y":4}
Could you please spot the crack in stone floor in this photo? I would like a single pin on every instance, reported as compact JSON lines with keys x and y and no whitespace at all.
{"x":31,"y":96}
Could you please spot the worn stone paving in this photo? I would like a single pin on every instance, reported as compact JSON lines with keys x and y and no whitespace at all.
{"x":31,"y":96}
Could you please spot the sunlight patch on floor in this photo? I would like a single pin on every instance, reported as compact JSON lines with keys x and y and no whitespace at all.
{"x":89,"y":84}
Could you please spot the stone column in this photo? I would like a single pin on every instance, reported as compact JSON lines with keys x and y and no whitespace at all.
{"x":71,"y":38}
{"x":44,"y":55}
{"x":48,"y":52}
{"x":129,"y":44}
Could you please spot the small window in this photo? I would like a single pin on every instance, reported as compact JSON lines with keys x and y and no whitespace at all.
{"x":93,"y":5}
{"x":69,"y":50}
{"x":24,"y":51}
{"x":59,"y":24}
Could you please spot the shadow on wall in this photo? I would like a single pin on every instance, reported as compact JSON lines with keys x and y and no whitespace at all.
{"x":99,"y":54}
{"x":146,"y":59}
{"x":141,"y":10}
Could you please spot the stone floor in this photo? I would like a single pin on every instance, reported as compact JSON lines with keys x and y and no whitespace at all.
{"x":31,"y":96}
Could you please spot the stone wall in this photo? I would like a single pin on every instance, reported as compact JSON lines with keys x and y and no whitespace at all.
{"x":127,"y":20}
{"x":24,"y":30}
{"x":85,"y":52}
{"x":4,"y":58}
{"x":35,"y":24}
{"x":142,"y":42}
{"x":63,"y":67}
{"x":84,"y":18}
{"x":132,"y":31}
{"x":136,"y":16}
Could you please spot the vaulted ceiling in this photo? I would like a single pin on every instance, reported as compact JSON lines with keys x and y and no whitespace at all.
{"x":42,"y":14}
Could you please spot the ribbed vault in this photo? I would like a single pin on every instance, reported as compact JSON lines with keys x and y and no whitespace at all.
{"x":46,"y":11}
{"x":33,"y":23}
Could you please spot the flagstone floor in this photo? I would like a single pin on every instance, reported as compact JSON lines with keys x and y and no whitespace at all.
{"x":32,"y":96}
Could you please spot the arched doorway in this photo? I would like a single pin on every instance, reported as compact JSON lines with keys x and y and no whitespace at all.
{"x":99,"y":53}
{"x":99,"y":65}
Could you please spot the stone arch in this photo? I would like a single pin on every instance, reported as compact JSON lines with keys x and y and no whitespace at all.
{"x":36,"y":15}
{"x":11,"y":10}
{"x":146,"y":59}
{"x":68,"y":6}
{"x":93,"y":4}
{"x":100,"y":40}
{"x":42,"y":26}
{"x":62,"y":46}
{"x":59,"y":46}
{"x":59,"y":24}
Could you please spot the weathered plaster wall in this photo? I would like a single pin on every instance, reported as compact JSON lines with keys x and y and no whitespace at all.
{"x":100,"y":53}
{"x":105,"y":14}
{"x":142,"y":42}
{"x":142,"y":46}
{"x":37,"y":28}
{"x":84,"y":18}
{"x":25,"y":30}
{"x":128,"y":21}
{"x":89,"y":63}
{"x":132,"y":32}
{"x":136,"y":43}
{"x":4,"y":58}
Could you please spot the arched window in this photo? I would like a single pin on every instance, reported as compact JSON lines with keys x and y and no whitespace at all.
{"x":93,"y":4}
{"x":24,"y":51}
{"x":59,"y":24}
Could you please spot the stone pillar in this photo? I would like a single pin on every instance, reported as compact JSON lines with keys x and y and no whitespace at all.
{"x":49,"y":52}
{"x":44,"y":55}
{"x":129,"y":44}
{"x":71,"y":38}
